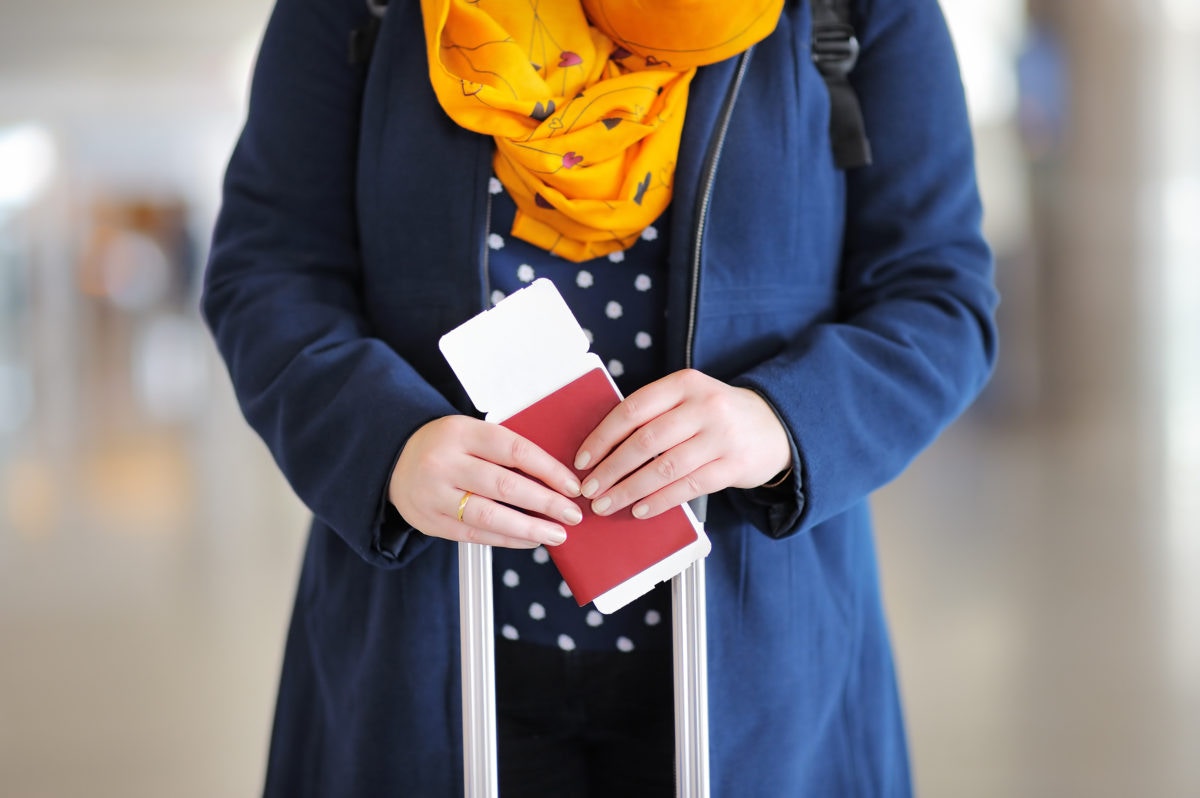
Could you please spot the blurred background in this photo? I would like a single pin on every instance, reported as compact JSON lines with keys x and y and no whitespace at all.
{"x":1041,"y":561}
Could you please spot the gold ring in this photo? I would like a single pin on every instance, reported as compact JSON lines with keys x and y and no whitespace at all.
{"x":462,"y":504}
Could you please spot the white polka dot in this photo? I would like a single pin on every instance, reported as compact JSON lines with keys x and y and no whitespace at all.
{"x":642,"y":340}
{"x":584,"y":279}
{"x":537,"y":611}
{"x":591,"y":338}
{"x":564,"y":590}
{"x":594,"y":618}
{"x":566,"y":643}
{"x":541,"y":556}
{"x":509,"y":632}
{"x":497,"y":297}
{"x":650,"y":233}
{"x":494,"y":186}
{"x":653,"y":618}
{"x":496,"y":241}
{"x":614,"y":310}
{"x":525,"y":273}
{"x":642,"y":283}
{"x":616,"y":257}
{"x":616,"y":368}
{"x":511,"y":579}
{"x":624,"y":644}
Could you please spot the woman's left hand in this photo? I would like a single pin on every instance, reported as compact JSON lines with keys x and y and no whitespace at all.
{"x":680,"y":437}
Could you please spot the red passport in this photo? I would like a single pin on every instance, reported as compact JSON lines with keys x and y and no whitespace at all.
{"x":601,"y":552}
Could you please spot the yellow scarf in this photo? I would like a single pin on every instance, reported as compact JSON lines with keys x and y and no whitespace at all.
{"x":587,"y":117}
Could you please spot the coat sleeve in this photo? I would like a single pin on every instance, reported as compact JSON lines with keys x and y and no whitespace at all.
{"x":283,"y":288}
{"x":914,"y":340}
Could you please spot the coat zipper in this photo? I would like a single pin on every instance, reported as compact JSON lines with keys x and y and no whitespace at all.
{"x":709,"y":176}
{"x":485,"y":256}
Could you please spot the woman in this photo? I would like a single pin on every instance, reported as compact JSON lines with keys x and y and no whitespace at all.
{"x":798,"y":334}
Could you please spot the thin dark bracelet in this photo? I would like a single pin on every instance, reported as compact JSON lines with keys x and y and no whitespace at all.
{"x":779,"y":480}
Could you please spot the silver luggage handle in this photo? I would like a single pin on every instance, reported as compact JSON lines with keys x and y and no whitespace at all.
{"x":689,"y":625}
{"x":476,"y":628}
{"x":689,"y":622}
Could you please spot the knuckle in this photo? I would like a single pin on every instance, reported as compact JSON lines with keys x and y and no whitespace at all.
{"x":506,"y":486}
{"x":721,"y":411}
{"x":646,"y":440}
{"x":666,"y":468}
{"x":693,"y":485}
{"x":487,"y":517}
{"x":631,"y":407}
{"x":453,"y":427}
{"x":718,"y":401}
{"x":520,"y":449}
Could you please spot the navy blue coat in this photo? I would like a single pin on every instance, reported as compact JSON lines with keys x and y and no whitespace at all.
{"x":860,"y":305}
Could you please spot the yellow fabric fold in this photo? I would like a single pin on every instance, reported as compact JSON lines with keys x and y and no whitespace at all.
{"x":585,"y":99}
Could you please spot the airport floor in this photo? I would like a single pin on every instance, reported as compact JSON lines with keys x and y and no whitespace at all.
{"x":1039,"y":575}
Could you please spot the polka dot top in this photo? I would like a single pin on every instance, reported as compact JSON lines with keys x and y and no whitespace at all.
{"x":619,"y":300}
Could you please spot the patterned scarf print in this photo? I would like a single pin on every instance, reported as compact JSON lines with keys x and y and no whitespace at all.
{"x":585,"y":99}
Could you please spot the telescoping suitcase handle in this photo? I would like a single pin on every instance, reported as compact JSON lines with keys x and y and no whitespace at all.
{"x":689,"y":622}
{"x":478,"y":670}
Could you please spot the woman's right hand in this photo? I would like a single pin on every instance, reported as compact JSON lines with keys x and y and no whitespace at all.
{"x":454,"y":455}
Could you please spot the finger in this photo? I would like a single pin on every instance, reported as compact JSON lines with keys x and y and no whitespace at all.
{"x":487,"y":516}
{"x":514,"y":488}
{"x":636,"y":410}
{"x":660,"y":435}
{"x":680,"y":464}
{"x":701,"y":482}
{"x":451,"y":528}
{"x":504,"y":447}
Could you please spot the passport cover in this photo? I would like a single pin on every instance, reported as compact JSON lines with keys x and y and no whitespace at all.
{"x":601,"y":552}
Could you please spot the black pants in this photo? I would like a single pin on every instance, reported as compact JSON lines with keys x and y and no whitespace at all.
{"x":584,"y":723}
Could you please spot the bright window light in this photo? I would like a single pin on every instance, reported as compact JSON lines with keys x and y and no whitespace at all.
{"x":27,"y":160}
{"x":987,"y":37}
{"x":1182,"y":14}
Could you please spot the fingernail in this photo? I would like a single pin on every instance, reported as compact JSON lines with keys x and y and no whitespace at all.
{"x":600,"y":505}
{"x":582,"y":460}
{"x":573,"y":515}
{"x":641,"y":511}
{"x":572,"y":488}
{"x":555,"y":538}
{"x":590,"y":487}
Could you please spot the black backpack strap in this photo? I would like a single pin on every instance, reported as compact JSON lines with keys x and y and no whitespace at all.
{"x":362,"y":40}
{"x":835,"y":52}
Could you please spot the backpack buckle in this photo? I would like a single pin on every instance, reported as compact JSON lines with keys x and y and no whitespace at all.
{"x":834,"y":49}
